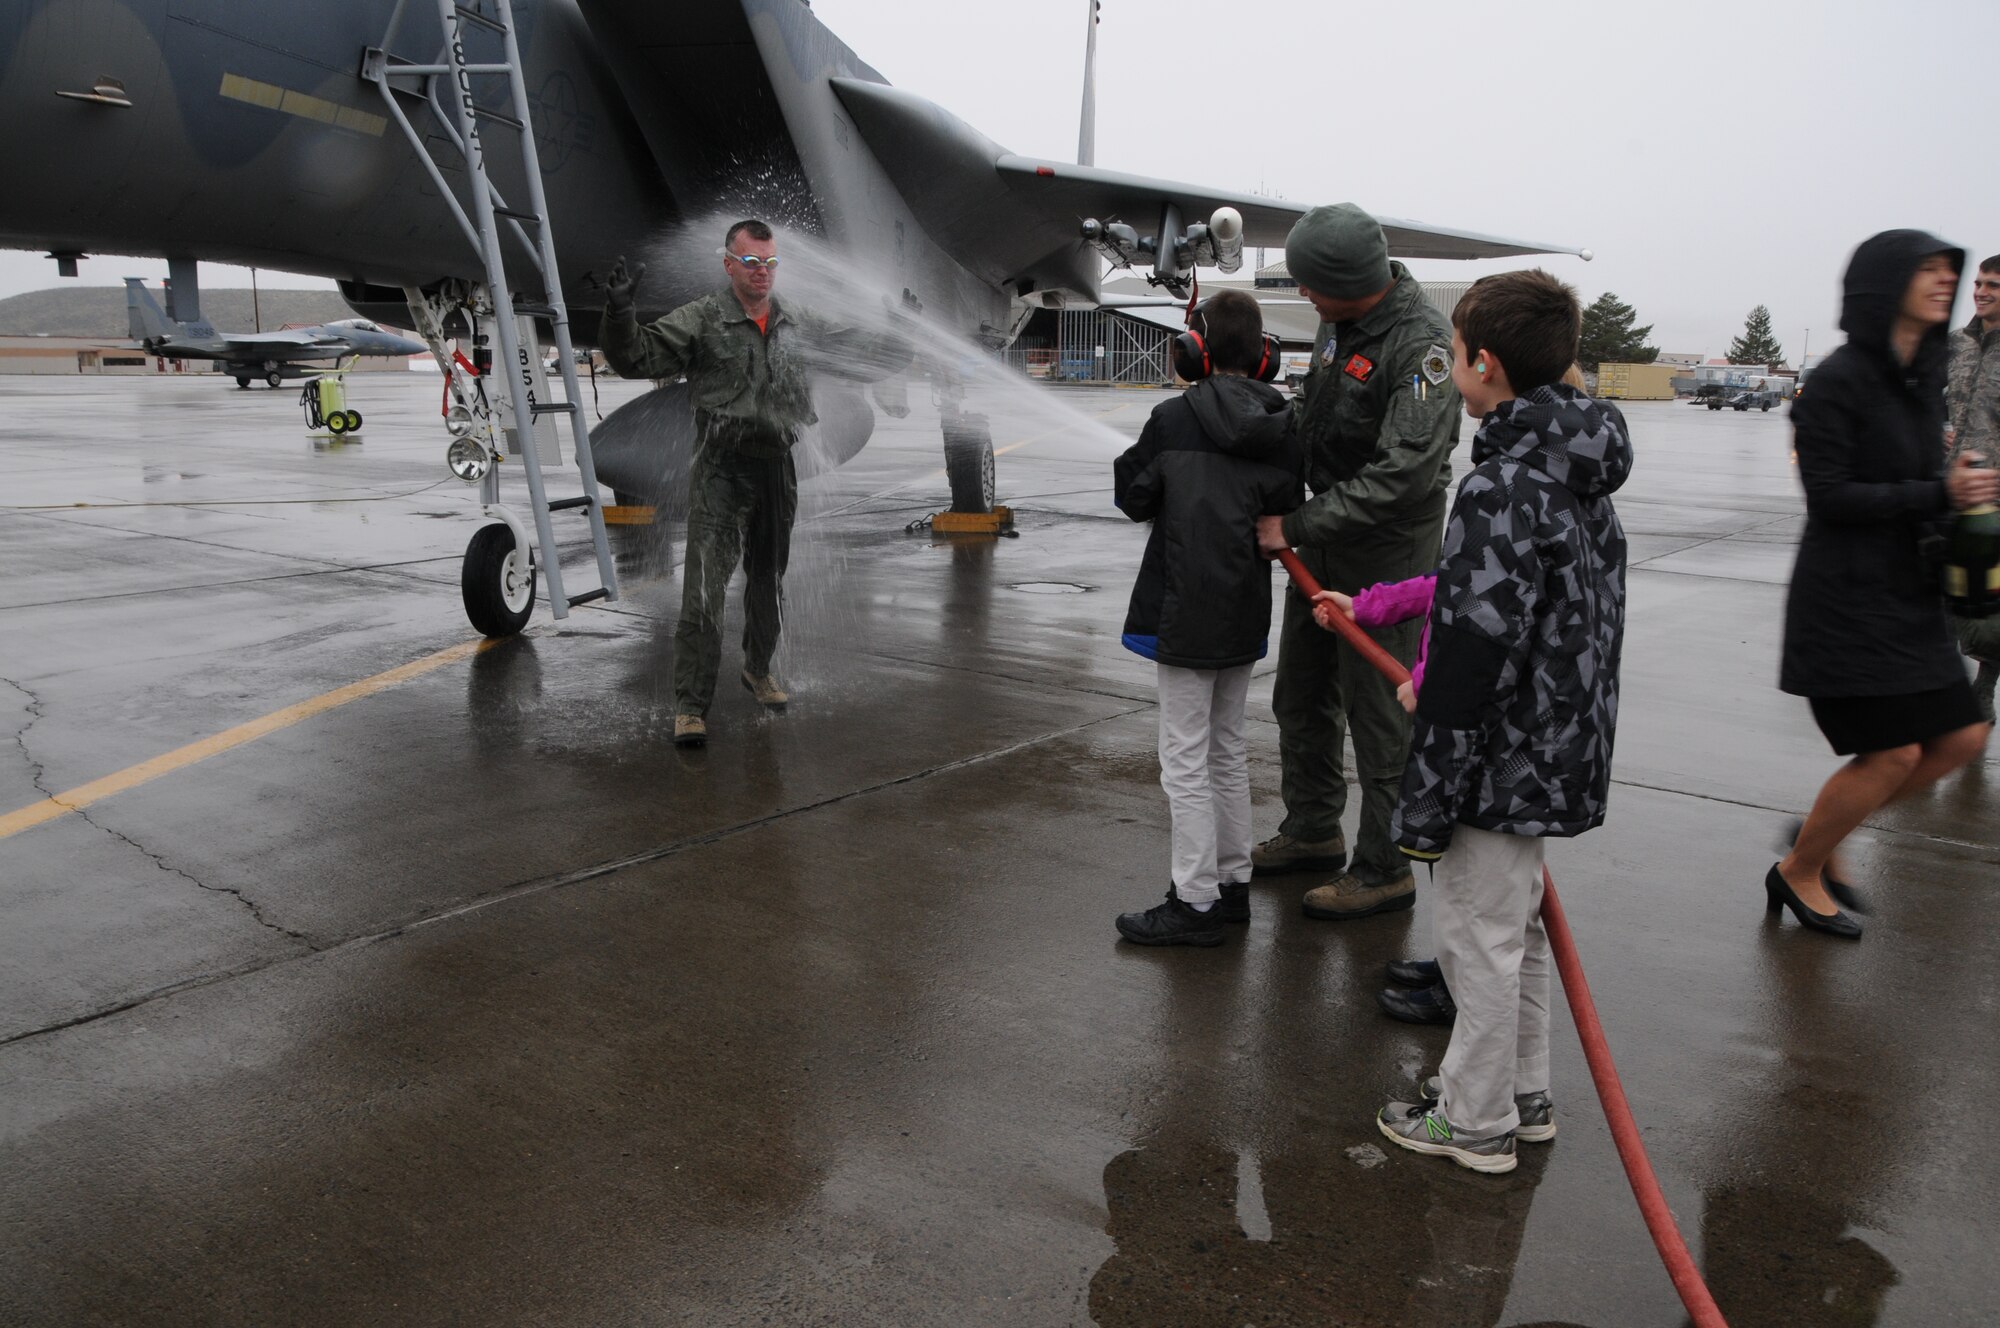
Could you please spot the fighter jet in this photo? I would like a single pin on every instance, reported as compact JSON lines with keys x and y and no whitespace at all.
{"x":284,"y":136}
{"x":271,"y":356}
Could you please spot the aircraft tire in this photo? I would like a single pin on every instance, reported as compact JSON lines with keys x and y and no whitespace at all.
{"x":243,"y":380}
{"x":968,"y":463}
{"x":353,"y":420}
{"x":274,"y":378}
{"x":497,"y":582}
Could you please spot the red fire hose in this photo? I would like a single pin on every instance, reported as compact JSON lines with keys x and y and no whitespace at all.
{"x":1589,"y":1030}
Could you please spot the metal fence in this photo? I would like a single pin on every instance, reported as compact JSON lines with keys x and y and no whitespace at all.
{"x":1099,"y":345}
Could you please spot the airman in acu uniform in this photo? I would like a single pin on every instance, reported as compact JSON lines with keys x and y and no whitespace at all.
{"x":1378,"y":416}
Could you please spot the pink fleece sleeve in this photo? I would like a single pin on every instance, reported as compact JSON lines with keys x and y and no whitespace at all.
{"x":1399,"y":601}
{"x":1394,"y":601}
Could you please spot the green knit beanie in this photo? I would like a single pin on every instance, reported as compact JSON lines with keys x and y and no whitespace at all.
{"x":1338,"y":251}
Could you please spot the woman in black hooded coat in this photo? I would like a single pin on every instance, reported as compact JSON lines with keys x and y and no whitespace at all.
{"x":1865,"y":635}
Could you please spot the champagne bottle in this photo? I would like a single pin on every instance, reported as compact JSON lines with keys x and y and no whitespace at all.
{"x":1972,"y":562}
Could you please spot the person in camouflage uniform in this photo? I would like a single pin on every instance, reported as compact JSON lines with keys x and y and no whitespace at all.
{"x":1974,"y":396}
{"x":748,"y":362}
{"x":1378,"y":417}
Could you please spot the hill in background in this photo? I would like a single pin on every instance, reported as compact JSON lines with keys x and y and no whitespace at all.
{"x":99,"y":311}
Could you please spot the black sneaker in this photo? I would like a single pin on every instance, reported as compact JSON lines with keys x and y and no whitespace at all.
{"x":1424,"y":1005}
{"x":1415,"y":972}
{"x":1172,"y":923}
{"x":1235,"y":905}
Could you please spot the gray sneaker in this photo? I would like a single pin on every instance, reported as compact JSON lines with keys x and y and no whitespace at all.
{"x":1424,"y":1129}
{"x":1351,"y":897}
{"x":1537,"y":1110}
{"x":1281,"y":853}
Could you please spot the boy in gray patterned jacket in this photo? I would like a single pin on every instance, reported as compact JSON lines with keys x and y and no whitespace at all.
{"x":1513,"y":731}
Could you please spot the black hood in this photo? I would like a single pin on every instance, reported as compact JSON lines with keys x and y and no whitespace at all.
{"x":1579,"y":443}
{"x":1241,"y":416}
{"x":1879,"y":274}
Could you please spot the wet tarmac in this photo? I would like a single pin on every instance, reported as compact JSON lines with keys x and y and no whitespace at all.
{"x":470,"y":999}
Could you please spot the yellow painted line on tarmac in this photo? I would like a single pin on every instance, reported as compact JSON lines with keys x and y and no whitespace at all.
{"x":97,"y":790}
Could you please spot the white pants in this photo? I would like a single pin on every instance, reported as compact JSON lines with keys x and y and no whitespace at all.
{"x":1206,"y":774}
{"x":1486,"y":915}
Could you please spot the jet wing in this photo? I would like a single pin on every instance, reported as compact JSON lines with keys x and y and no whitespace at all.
{"x":1066,"y":191}
{"x":1015,"y":219}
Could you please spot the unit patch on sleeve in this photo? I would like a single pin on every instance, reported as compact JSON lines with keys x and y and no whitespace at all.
{"x":1437,"y":365}
{"x":1331,"y":351}
{"x":1358,"y":367}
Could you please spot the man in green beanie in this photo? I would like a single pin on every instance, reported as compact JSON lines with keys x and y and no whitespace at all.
{"x":1378,"y":417}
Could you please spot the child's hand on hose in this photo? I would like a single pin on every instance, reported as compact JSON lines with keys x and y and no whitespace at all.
{"x":1329,"y":602}
{"x":1406,"y":697}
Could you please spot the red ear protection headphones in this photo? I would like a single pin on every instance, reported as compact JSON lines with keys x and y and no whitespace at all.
{"x":1191,"y":358}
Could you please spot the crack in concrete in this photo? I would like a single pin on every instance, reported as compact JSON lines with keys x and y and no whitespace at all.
{"x":251,"y":905}
{"x":38,"y":776}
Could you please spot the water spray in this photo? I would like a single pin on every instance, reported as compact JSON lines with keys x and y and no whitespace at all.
{"x":1653,"y":1208}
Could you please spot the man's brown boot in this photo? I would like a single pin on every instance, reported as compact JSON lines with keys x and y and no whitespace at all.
{"x":765,"y":688}
{"x":1282,"y":853}
{"x":690,"y":731}
{"x":1350,"y":897}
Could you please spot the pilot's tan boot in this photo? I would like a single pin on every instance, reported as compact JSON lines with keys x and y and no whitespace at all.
{"x":1351,"y":897}
{"x":1282,"y":853}
{"x":690,"y":731}
{"x":766,"y":690}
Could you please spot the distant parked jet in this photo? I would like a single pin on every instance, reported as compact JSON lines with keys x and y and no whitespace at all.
{"x":271,"y":356}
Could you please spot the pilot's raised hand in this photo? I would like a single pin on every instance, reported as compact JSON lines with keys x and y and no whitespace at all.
{"x":620,"y":285}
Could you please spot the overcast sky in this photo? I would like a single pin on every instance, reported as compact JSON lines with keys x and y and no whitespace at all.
{"x":1715,"y":156}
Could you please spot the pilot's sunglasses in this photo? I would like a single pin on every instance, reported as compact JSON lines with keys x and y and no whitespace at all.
{"x":751,"y":261}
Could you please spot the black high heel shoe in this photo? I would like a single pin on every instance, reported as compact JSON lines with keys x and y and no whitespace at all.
{"x":1838,"y":890}
{"x":1779,"y":894}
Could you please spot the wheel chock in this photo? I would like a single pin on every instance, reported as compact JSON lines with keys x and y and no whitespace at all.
{"x":996,"y":522}
{"x":628,"y":516}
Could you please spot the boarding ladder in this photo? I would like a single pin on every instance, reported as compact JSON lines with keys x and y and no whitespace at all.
{"x":530,"y":226}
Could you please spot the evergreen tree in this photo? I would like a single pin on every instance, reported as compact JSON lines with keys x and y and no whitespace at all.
{"x":1610,"y":338}
{"x":1757,"y":345}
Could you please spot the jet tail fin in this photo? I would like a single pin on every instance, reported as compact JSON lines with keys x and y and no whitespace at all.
{"x":145,"y":320}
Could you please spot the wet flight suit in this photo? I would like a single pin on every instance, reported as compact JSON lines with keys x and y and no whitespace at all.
{"x":752,"y":398}
{"x":1378,"y":416}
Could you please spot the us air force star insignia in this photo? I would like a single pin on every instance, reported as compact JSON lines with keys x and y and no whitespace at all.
{"x":1437,"y":365}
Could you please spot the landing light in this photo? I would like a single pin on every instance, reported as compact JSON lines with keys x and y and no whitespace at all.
{"x":458,"y":421}
{"x":469,"y":459}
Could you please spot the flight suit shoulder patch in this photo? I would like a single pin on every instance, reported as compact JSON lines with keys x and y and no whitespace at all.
{"x":1437,"y":365}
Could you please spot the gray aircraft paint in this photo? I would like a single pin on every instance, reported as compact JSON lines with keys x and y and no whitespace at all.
{"x":251,"y":139}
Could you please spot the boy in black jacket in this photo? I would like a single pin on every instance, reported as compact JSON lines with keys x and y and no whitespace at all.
{"x":1206,"y":466}
{"x":1514,"y":722}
